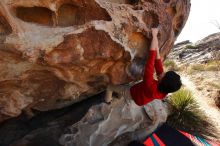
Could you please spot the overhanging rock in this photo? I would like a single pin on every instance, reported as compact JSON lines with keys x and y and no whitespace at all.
{"x":57,"y":52}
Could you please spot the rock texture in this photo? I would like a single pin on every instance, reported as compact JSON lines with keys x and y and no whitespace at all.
{"x":103,"y":123}
{"x":96,"y":124}
{"x":45,"y":128}
{"x":57,"y":52}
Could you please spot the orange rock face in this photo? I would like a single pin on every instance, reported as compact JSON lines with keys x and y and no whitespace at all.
{"x":57,"y":52}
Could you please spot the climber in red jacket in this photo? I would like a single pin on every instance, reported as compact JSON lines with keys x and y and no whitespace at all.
{"x":149,"y":89}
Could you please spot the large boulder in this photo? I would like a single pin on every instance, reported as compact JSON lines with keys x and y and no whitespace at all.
{"x":57,"y":52}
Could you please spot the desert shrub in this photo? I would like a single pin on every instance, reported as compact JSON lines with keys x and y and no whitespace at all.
{"x":198,"y":67}
{"x":188,"y":116}
{"x":214,"y":85}
{"x":209,"y":66}
{"x":217,"y":99}
{"x":190,"y":47}
{"x":212,"y":68}
{"x":171,"y":65}
{"x":195,"y":68}
{"x":213,"y":65}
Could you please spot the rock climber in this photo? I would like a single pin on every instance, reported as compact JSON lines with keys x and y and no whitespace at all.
{"x":149,"y":89}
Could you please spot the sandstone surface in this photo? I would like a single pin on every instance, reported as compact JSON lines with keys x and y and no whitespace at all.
{"x":57,"y":52}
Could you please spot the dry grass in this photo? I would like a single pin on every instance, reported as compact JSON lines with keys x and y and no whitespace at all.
{"x":214,"y":85}
{"x":171,"y":65}
{"x":213,"y":65}
{"x":209,"y":66}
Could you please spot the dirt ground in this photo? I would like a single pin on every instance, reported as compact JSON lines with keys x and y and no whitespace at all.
{"x":205,"y":86}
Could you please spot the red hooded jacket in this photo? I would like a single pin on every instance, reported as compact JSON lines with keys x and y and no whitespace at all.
{"x":146,"y":91}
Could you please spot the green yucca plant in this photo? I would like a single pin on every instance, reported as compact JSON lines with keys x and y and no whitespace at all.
{"x":188,"y":116}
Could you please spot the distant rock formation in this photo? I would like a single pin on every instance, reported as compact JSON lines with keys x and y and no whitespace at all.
{"x":201,"y":52}
{"x":57,"y":52}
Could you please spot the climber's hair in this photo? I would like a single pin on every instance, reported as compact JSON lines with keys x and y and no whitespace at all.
{"x":170,"y":82}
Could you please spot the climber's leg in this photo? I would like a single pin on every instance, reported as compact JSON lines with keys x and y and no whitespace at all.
{"x":108,"y":95}
{"x":121,"y":90}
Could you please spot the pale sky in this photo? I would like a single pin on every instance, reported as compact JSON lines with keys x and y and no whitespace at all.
{"x":199,"y":23}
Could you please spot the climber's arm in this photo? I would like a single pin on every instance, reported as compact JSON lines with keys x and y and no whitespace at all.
{"x":158,"y":53}
{"x":149,"y":66}
{"x":154,"y":42}
{"x":158,"y":64}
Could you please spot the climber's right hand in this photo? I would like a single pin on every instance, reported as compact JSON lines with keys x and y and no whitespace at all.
{"x":154,"y":32}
